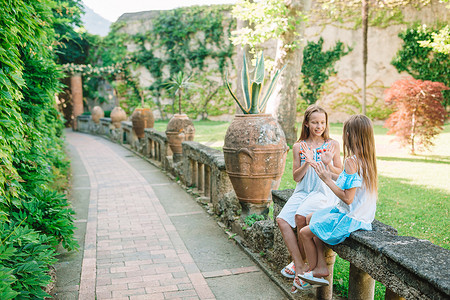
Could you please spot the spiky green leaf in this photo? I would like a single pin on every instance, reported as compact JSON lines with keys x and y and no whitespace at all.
{"x":270,"y":89}
{"x":246,"y":85}
{"x":256,"y":92}
{"x":245,"y":111}
{"x":259,"y":72}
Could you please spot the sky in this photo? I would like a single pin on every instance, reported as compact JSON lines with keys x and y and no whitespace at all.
{"x":113,"y":9}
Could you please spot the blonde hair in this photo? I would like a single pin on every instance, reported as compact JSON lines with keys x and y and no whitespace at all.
{"x":359,"y":140}
{"x":305,"y":130}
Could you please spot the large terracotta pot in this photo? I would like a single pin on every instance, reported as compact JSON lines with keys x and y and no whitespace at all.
{"x":255,"y":154}
{"x":97,"y":113}
{"x":117,"y":116}
{"x":179,"y":129}
{"x":142,"y":118}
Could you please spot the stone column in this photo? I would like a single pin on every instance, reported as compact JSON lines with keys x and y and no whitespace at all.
{"x":76,"y":88}
{"x":326,"y":292}
{"x":360,"y":285}
{"x":390,"y":295}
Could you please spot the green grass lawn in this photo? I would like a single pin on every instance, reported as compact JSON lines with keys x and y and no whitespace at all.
{"x":413,"y":194}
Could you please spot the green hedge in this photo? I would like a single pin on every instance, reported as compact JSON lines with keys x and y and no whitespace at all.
{"x":34,"y":217}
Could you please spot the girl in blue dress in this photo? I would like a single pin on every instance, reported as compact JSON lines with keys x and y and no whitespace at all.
{"x":356,"y":187}
{"x":311,"y":193}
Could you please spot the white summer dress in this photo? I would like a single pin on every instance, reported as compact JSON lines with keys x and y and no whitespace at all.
{"x":310,"y":194}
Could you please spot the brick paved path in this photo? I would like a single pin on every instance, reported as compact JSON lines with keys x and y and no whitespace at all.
{"x":132,"y":250}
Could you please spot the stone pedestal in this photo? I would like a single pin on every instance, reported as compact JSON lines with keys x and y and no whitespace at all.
{"x":326,"y":292}
{"x":361,"y":286}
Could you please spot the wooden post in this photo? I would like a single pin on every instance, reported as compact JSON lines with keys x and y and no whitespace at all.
{"x":326,"y":292}
{"x":360,"y":285}
{"x":76,"y":88}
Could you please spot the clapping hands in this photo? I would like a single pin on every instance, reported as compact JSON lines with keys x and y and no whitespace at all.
{"x":327,"y":154}
{"x":308,"y":153}
{"x":322,"y":170}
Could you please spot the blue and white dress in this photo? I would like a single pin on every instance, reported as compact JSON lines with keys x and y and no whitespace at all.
{"x":310,"y":194}
{"x":334,"y":224}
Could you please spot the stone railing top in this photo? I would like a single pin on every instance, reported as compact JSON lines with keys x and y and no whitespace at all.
{"x":207,"y":155}
{"x":420,"y":265}
{"x":83,"y":117}
{"x":127,"y":123}
{"x":152,"y":132}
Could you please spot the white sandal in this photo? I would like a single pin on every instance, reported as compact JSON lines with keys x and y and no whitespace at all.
{"x":290,"y":267}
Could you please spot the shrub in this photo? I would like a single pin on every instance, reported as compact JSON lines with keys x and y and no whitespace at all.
{"x":25,"y":257}
{"x":420,"y":114}
{"x":422,"y":62}
{"x":317,"y":67}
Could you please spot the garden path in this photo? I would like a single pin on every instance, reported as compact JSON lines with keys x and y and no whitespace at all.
{"x":143,"y":237}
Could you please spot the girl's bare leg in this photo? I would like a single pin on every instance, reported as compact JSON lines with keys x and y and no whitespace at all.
{"x":291,"y":242}
{"x":310,"y":247}
{"x":300,"y":221}
{"x":321,"y":269}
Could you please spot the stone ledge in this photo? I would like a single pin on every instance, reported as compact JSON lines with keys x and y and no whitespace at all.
{"x":205,"y":153}
{"x":410,"y":267}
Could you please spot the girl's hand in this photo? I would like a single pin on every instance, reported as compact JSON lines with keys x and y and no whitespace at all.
{"x":308,"y":153}
{"x":322,"y":171}
{"x":327,"y":154}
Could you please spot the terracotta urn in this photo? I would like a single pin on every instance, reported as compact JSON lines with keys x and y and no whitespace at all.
{"x":97,"y":113}
{"x":142,"y":118}
{"x":255,"y":155}
{"x":117,"y":116}
{"x":179,"y":129}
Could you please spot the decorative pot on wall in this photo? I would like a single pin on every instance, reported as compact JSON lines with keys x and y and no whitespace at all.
{"x":142,"y":118}
{"x":179,"y":129}
{"x":255,"y":155}
{"x":117,"y":116}
{"x":97,"y":113}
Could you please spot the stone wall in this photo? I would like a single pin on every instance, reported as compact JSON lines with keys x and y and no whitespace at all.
{"x":383,"y":43}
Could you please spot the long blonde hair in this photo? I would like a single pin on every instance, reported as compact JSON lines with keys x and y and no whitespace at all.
{"x":305,"y":130}
{"x":359,"y":140}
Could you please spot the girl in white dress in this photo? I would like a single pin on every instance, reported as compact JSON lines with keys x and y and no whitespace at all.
{"x":356,"y":188}
{"x":311,"y":193}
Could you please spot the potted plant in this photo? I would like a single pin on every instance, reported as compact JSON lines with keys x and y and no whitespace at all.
{"x":180,"y":128}
{"x":255,"y":146}
{"x":142,"y":118}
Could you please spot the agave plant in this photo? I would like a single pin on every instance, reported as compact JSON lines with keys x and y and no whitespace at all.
{"x":255,"y":101}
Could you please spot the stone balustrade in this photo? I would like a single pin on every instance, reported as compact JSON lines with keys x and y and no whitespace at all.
{"x":204,"y":168}
{"x":106,"y":126}
{"x":84,"y":123}
{"x":410,"y":268}
{"x":129,"y":137}
{"x":156,"y":147}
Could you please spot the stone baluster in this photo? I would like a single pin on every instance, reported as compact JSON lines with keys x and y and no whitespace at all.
{"x":360,"y":285}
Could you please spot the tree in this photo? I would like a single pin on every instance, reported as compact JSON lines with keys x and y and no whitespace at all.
{"x":440,"y":41}
{"x":379,"y":13}
{"x":180,"y":83}
{"x":420,"y":114}
{"x":422,"y":62}
{"x":365,"y":28}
